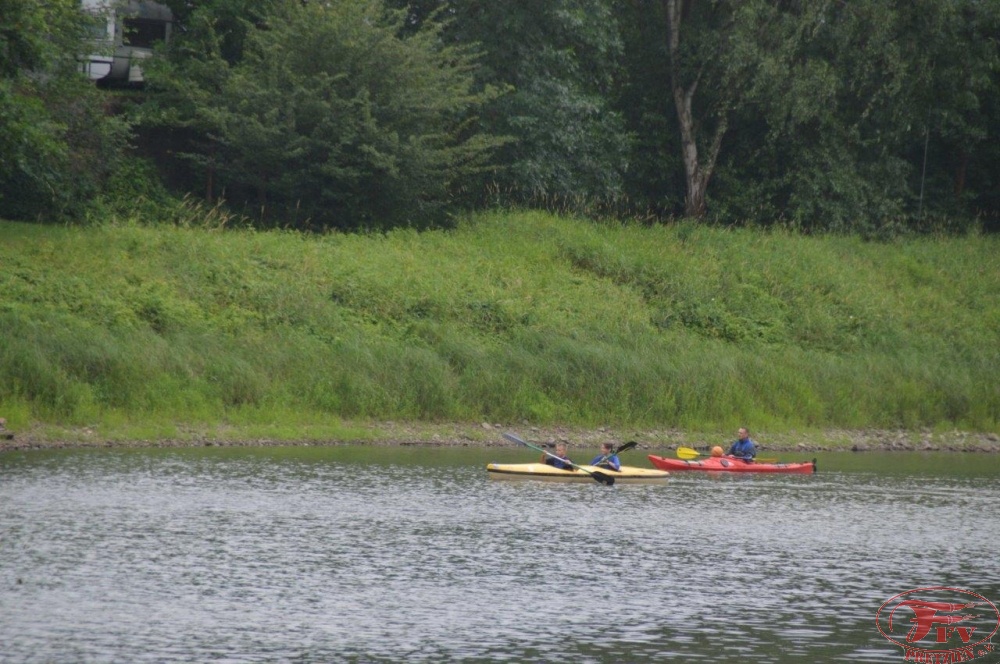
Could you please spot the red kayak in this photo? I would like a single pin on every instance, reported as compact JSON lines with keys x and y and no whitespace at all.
{"x":732,"y":465}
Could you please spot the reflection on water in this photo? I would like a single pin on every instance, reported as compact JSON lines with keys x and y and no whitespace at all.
{"x":349,"y":554}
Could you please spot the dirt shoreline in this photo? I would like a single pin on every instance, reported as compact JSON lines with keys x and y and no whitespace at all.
{"x":489,"y":435}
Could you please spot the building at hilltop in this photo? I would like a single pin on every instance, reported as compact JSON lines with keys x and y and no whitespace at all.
{"x":124,"y":35}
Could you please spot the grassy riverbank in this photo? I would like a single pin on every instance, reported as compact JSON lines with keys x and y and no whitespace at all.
{"x":125,"y":332}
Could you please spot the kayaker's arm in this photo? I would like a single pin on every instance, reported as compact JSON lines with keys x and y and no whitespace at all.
{"x":610,"y":461}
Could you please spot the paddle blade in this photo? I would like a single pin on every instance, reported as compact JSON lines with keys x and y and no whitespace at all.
{"x":687,"y":453}
{"x":602,"y":478}
{"x":630,"y":445}
{"x":514,"y":439}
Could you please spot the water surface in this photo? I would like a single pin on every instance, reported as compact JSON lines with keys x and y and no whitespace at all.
{"x":328,"y":554}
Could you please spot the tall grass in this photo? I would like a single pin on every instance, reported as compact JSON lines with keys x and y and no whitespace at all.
{"x":514,"y":316}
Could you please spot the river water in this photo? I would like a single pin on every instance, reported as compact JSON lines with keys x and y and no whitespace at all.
{"x":351,"y":554}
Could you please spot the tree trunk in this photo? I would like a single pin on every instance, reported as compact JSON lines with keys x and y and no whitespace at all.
{"x":697,"y":172}
{"x":963,"y":167}
{"x":210,"y":175}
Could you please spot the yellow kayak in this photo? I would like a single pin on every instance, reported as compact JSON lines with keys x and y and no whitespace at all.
{"x":543,"y":471}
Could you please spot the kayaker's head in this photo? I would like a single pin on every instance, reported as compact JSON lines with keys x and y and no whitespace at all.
{"x":605,"y":448}
{"x":716,"y":451}
{"x":561,"y":450}
{"x":743,"y":433}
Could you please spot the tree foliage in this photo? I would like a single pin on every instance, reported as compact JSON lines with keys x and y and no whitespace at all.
{"x":871,"y":117}
{"x":331,"y":117}
{"x":57,"y":143}
{"x":559,"y":62}
{"x":810,"y":112}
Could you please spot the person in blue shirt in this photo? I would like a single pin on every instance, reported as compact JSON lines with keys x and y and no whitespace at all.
{"x":559,"y":459}
{"x":743,"y":448}
{"x":606,"y":459}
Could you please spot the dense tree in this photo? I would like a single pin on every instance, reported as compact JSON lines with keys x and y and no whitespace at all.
{"x":812,"y":112}
{"x":717,"y":63}
{"x":855,"y":117}
{"x":654,"y":181}
{"x":854,"y":110}
{"x":330,"y":117}
{"x":219,"y":28}
{"x":821,"y":135}
{"x":57,"y":144}
{"x":559,"y":61}
{"x":954,"y":50}
{"x":693,"y":69}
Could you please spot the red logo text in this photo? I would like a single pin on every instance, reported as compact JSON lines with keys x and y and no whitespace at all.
{"x":939,"y":625}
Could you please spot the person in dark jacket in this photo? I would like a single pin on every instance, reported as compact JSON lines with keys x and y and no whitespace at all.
{"x":743,"y":448}
{"x":559,"y":459}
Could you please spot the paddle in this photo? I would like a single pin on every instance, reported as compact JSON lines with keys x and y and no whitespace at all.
{"x":625,"y":447}
{"x":688,"y":453}
{"x":599,"y":476}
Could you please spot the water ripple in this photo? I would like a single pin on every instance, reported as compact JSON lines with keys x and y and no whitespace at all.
{"x":251,"y":557}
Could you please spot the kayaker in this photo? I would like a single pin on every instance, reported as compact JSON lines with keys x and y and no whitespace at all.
{"x":561,"y":462}
{"x":606,"y":459}
{"x":743,"y":448}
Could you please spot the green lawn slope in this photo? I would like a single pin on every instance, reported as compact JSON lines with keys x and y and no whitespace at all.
{"x":166,"y":332}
